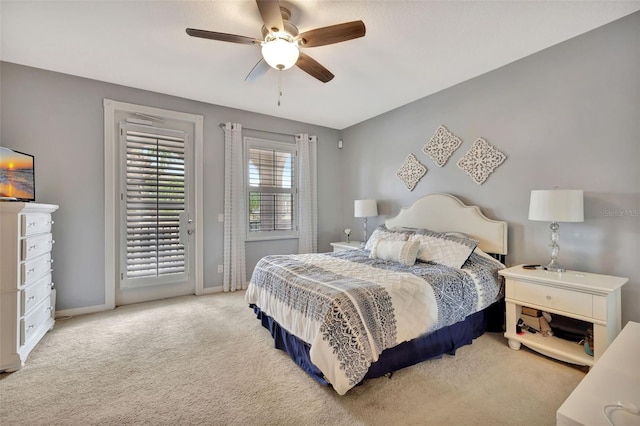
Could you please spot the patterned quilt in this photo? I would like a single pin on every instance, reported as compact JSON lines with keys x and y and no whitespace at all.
{"x":349,"y":307}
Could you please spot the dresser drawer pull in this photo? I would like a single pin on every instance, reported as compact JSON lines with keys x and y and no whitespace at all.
{"x":52,"y":285}
{"x":31,"y":271}
{"x":549,"y":298}
{"x":30,"y":224}
{"x":33,"y":247}
{"x":31,"y":298}
{"x":31,"y":326}
{"x":49,"y":308}
{"x":50,"y":222}
{"x":51,"y":261}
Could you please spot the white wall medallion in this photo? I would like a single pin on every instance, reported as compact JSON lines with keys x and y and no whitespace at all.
{"x":441,"y":146}
{"x":481,"y":160}
{"x":411,"y":172}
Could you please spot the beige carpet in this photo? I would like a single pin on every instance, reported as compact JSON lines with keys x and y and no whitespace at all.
{"x":207,"y":360}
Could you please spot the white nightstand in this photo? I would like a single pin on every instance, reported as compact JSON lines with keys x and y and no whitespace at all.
{"x":589,"y":297}
{"x":343,"y":245}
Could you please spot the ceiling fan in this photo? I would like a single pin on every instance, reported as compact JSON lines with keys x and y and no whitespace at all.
{"x":282,"y":41}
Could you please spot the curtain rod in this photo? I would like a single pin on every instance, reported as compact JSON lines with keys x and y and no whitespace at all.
{"x":264,"y":131}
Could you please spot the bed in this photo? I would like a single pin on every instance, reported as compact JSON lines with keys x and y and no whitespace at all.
{"x":425,"y":284}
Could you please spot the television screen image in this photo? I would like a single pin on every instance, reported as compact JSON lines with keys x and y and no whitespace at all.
{"x":17,"y":180}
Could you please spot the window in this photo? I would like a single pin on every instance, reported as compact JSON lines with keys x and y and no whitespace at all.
{"x":271,"y":189}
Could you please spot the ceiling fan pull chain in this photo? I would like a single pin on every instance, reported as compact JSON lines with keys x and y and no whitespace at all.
{"x":279,"y":86}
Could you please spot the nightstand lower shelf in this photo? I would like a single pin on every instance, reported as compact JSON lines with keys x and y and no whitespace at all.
{"x":554,"y":347}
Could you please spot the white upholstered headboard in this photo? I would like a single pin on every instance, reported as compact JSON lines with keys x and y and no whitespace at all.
{"x":446,"y":213}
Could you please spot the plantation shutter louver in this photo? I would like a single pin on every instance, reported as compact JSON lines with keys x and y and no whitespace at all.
{"x":271,"y":190}
{"x":154,"y":199}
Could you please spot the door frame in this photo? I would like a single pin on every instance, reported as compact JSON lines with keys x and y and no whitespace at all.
{"x":112,"y":189}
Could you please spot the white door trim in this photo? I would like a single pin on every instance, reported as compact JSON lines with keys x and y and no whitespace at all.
{"x":112,"y":189}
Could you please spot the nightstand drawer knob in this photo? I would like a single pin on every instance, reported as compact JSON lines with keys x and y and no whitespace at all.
{"x":549,"y":298}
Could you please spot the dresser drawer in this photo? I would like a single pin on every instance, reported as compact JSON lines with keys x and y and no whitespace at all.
{"x":35,"y":293}
{"x":35,"y":246}
{"x":554,"y":298}
{"x":35,"y":223}
{"x":34,"y":268}
{"x":34,"y":320}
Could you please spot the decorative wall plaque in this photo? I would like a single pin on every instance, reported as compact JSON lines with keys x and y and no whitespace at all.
{"x":441,"y":146}
{"x":411,"y":172}
{"x":481,"y":160}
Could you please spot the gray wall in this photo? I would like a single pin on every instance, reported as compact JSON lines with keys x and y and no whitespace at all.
{"x":568,"y":116}
{"x":59,"y":119}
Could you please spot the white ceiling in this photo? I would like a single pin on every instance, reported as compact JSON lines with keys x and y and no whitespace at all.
{"x":412,"y":48}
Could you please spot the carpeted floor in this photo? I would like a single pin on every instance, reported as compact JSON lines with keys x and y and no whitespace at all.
{"x":207,"y":360}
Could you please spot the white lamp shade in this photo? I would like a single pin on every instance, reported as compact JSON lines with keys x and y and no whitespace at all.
{"x":365,"y":208}
{"x":280,"y":54}
{"x":557,"y":205}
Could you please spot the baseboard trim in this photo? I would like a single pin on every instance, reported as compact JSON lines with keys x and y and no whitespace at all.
{"x":211,"y":290}
{"x":105,"y":307}
{"x":83,"y":311}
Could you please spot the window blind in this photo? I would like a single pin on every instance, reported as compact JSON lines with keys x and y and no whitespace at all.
{"x":271,"y":190}
{"x":155,"y":200}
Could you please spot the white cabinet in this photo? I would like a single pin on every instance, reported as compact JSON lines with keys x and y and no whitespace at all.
{"x":27,"y":300}
{"x":588,"y":297}
{"x":343,"y":245}
{"x":614,"y":380}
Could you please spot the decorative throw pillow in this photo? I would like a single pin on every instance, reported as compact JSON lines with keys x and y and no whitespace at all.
{"x":444,"y":249}
{"x":404,"y":252}
{"x":383,"y":233}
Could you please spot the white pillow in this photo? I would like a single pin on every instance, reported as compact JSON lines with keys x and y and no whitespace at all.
{"x":488,"y":256}
{"x":404,"y":252}
{"x":444,"y":249}
{"x":383,"y":233}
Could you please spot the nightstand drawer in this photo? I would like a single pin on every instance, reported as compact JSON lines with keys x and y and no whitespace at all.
{"x":554,"y":298}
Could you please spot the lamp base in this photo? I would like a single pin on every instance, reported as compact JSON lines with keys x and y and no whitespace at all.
{"x":364,"y":233}
{"x":553,"y":266}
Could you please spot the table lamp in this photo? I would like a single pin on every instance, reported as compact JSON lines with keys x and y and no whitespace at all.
{"x":556,"y":205}
{"x":365,"y":209}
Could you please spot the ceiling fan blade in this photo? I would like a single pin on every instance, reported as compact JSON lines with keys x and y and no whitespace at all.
{"x":332,"y":34}
{"x":271,"y":15}
{"x":313,"y":68}
{"x":212,"y":35}
{"x":258,"y":70}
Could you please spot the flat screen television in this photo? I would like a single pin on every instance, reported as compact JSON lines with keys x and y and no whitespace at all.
{"x":17,"y":178}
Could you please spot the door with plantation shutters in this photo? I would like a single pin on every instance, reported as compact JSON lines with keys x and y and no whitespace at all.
{"x":155,"y":205}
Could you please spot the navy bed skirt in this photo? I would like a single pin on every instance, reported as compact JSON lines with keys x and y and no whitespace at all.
{"x":433,"y":345}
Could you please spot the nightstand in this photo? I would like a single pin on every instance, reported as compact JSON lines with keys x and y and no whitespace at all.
{"x":588,"y":297}
{"x":343,"y":245}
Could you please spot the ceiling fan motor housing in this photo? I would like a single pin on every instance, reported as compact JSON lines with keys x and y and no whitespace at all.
{"x":281,"y":41}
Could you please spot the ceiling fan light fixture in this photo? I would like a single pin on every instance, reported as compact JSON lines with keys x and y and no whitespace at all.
{"x":280,"y":53}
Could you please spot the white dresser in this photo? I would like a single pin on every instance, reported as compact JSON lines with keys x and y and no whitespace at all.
{"x":27,"y":300}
